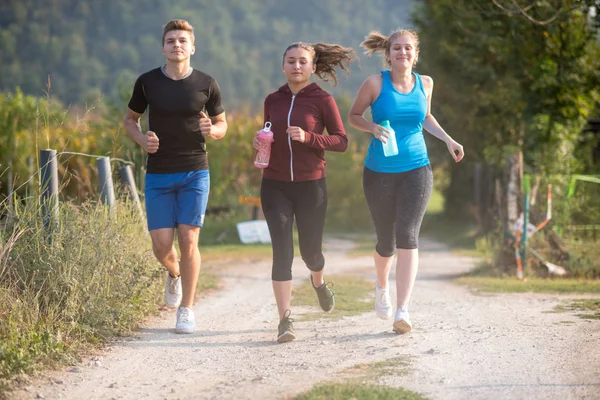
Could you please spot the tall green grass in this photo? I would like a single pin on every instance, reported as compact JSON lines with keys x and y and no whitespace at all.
{"x":94,"y":278}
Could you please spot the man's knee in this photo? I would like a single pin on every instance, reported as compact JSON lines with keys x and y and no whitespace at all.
{"x":161,"y":249}
{"x":188,"y":239}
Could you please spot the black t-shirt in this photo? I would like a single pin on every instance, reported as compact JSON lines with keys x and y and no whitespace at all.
{"x":174,"y":108}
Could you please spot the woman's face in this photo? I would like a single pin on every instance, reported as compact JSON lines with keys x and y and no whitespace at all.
{"x":298,"y":65}
{"x":403,"y":52}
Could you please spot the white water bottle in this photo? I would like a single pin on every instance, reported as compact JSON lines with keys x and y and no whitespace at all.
{"x":390,"y":147}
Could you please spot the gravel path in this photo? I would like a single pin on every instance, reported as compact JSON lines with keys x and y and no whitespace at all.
{"x":464,"y":345}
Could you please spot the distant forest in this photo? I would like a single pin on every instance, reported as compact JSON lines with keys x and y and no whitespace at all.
{"x":90,"y":48}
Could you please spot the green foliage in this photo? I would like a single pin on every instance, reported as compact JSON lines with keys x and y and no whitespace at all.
{"x":86,"y":47}
{"x":503,"y":81}
{"x":585,"y":260}
{"x":341,"y":391}
{"x":346,"y":208}
{"x":585,"y":308}
{"x":96,"y":278}
{"x":535,"y":285}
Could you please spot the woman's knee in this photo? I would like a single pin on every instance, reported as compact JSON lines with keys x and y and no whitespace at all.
{"x":281,"y":274}
{"x":314,"y":262}
{"x":407,"y":241}
{"x":386,"y":247}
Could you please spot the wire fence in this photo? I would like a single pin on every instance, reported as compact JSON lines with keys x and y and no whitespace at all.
{"x":49,"y":184}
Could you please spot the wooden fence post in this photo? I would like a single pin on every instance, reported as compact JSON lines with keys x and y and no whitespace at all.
{"x":128,"y":181}
{"x":107,"y":192}
{"x":49,"y":189}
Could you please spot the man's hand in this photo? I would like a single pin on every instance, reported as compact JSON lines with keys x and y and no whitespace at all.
{"x":150,"y":142}
{"x":205,"y":125}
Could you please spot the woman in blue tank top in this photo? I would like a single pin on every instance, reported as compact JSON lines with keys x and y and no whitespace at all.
{"x":397,"y":188}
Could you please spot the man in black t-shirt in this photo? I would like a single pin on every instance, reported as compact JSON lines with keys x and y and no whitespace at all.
{"x":183,"y":107}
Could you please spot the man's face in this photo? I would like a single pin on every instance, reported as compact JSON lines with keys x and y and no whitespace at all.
{"x":178,"y":46}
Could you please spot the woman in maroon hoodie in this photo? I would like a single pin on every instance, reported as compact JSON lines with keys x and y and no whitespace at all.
{"x":293,"y":184}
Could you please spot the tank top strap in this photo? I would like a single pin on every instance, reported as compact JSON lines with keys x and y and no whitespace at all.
{"x":419,"y":82}
{"x":386,"y":83}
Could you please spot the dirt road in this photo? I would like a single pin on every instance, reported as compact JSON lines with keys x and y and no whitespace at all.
{"x":464,"y":345}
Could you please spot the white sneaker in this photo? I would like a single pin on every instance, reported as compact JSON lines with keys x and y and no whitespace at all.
{"x":402,"y":322}
{"x":173,"y":291}
{"x":383,"y":304}
{"x":186,"y":322}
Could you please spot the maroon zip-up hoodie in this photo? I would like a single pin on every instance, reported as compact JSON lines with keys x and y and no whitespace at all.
{"x":313,"y":110}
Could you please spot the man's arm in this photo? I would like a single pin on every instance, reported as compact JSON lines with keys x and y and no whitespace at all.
{"x":148,"y":141}
{"x":213,"y":127}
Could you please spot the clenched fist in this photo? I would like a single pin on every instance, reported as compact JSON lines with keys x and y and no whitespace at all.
{"x":205,"y":125}
{"x":150,"y":142}
{"x":296,"y":133}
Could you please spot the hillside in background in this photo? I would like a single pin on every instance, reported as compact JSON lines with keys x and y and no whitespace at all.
{"x":91,"y":47}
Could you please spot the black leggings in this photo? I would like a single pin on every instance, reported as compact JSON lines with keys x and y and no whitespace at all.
{"x":307,"y":201}
{"x":397,"y":202}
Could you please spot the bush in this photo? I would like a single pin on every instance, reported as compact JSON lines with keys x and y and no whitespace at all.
{"x":93,"y":278}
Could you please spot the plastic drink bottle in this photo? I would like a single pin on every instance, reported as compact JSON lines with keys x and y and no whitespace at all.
{"x":390,"y":147}
{"x":263,"y":153}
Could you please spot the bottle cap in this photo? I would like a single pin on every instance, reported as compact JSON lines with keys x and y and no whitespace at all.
{"x":267,"y":126}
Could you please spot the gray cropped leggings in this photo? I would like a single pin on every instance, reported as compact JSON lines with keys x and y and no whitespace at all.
{"x":397,"y":202}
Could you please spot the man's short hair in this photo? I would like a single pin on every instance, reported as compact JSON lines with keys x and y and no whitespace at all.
{"x":178,"y":25}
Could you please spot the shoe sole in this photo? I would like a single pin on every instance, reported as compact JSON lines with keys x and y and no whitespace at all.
{"x":184,"y":331}
{"x":401,"y":327}
{"x":285,"y":337}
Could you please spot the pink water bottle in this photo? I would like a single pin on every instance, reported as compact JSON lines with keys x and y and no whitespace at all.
{"x":263,"y":153}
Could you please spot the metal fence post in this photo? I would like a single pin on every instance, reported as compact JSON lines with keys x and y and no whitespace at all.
{"x":128,"y":180}
{"x":10,"y":193}
{"x":105,"y":182}
{"x":30,"y":184}
{"x":526,"y":191}
{"x":49,"y":185}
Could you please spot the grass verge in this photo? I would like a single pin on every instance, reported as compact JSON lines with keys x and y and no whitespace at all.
{"x":361,"y":386}
{"x":345,"y":391}
{"x":396,"y":366}
{"x":585,"y":308}
{"x":231,"y":252}
{"x":94,"y":277}
{"x":353,"y":296}
{"x":535,"y":285}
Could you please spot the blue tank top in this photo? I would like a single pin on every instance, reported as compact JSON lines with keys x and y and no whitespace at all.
{"x":406,"y":113}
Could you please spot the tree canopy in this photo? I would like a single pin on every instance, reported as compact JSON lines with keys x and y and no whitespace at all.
{"x":90,"y":47}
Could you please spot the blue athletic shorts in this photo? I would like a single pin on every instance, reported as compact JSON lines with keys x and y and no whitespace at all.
{"x":173,"y":199}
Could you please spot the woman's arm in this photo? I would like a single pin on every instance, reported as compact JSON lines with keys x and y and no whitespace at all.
{"x":364,"y":99}
{"x":432,"y":126}
{"x":367,"y":94}
{"x":336,"y":139}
